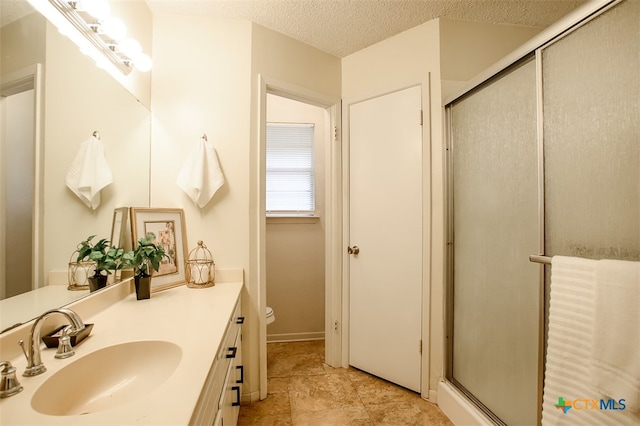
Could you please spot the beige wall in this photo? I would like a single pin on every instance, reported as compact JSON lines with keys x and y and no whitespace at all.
{"x":205,"y":80}
{"x":281,"y":58}
{"x":295,"y":246}
{"x":431,"y":55}
{"x":137,"y":17}
{"x":470,"y":47}
{"x":22,"y":43}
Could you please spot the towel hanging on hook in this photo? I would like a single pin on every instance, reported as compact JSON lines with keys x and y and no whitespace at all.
{"x":201,"y":175}
{"x":89,"y":172}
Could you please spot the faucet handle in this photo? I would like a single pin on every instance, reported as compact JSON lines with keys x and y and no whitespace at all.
{"x":65,"y":350}
{"x":9,"y":384}
{"x":24,"y":351}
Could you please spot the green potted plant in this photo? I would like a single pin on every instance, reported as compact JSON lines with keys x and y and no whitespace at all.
{"x":107,"y":259}
{"x":145,"y":259}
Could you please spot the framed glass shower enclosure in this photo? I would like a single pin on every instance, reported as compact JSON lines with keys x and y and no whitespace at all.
{"x":543,"y":160}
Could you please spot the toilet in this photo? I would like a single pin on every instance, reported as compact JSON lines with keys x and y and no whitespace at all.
{"x":270,"y":316}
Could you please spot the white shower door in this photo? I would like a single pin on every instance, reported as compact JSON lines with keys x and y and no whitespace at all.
{"x":386,"y":225}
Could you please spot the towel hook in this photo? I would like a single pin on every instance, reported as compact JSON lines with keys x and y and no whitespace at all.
{"x":96,"y":134}
{"x":204,"y":136}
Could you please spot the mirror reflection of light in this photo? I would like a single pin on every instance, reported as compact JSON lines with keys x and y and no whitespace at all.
{"x":114,"y":28}
{"x":130,"y":47}
{"x":143,"y":63}
{"x":64,"y":15}
{"x":99,"y":9}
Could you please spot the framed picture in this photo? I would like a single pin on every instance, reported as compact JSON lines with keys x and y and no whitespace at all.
{"x":168,"y":227}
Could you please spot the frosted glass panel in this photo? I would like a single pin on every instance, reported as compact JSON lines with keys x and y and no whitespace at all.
{"x":496,"y":223}
{"x":592,"y":138}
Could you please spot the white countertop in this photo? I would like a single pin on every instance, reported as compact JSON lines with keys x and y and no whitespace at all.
{"x":194,"y":319}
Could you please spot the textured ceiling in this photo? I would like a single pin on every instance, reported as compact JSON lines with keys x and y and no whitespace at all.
{"x":11,"y":10}
{"x":341,"y":27}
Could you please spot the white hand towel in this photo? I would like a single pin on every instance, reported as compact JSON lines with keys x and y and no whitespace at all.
{"x":89,"y":173}
{"x":615,"y":351}
{"x":201,"y":175}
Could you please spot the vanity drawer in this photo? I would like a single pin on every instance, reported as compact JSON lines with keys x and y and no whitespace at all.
{"x":229,"y":349}
{"x":209,"y":408}
{"x":232,"y":390}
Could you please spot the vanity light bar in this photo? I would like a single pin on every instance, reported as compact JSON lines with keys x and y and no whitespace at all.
{"x":84,"y":26}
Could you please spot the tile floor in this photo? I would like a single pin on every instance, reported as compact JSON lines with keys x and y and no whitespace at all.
{"x":302,"y":390}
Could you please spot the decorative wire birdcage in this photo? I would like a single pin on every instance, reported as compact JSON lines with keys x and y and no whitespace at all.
{"x":78,"y":273}
{"x":200,"y":268}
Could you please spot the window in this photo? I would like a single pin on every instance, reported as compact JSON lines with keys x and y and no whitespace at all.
{"x":290,"y":170}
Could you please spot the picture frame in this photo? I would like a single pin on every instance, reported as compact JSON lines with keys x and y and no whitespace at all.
{"x":120,"y":236}
{"x":120,"y":229}
{"x":168,"y":225}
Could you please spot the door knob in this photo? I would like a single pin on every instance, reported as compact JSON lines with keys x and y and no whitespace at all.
{"x":353,"y":250}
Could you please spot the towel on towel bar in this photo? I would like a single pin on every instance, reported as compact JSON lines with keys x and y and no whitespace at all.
{"x":568,"y":368}
{"x":89,"y":173}
{"x":201,"y":175}
{"x":615,"y":353}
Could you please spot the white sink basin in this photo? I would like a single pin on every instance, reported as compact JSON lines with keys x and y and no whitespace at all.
{"x":107,"y":378}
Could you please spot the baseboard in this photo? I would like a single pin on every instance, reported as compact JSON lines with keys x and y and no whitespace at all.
{"x":250,"y":397}
{"x":294,"y":337}
{"x":458,"y":408}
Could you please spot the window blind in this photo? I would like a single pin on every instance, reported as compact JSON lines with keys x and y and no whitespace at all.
{"x":290,"y":169}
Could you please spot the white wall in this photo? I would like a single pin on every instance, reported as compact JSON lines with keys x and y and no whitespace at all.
{"x":295,"y":246}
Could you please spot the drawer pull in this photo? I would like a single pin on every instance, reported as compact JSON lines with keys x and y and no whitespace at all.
{"x":232,"y":352}
{"x":241,"y":368}
{"x":240,"y":320}
{"x":237,"y":402}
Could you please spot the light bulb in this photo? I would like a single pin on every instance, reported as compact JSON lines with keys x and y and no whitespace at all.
{"x":130,"y":47}
{"x":114,"y":28}
{"x":142,"y":63}
{"x":99,"y":9}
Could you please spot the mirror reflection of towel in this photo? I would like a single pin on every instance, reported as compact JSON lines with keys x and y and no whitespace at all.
{"x":89,"y":173}
{"x":201,"y":175}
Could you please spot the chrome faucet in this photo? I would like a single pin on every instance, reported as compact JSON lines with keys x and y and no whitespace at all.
{"x":34,"y":361}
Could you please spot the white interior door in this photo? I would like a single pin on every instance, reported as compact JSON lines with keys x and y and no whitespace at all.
{"x":386,"y":227}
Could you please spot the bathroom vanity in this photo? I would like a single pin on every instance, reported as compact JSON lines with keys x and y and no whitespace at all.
{"x":175,"y":358}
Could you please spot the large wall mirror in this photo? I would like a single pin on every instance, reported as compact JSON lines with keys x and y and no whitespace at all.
{"x":53,"y":99}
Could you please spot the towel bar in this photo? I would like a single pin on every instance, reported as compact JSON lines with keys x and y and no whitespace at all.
{"x":540,"y":259}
